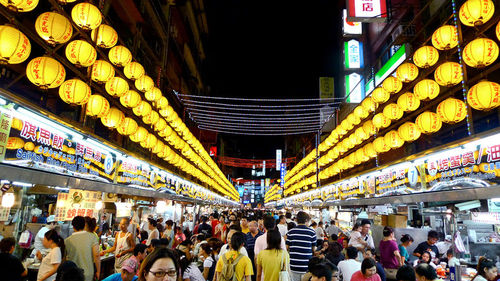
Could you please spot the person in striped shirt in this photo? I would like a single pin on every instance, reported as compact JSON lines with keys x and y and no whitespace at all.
{"x":301,"y":243}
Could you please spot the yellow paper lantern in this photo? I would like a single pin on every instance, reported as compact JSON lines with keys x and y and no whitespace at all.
{"x":426,"y":56}
{"x":361,"y":134}
{"x":133,"y":70}
{"x":368,"y":104}
{"x":346,"y":125}
{"x":407,"y":72}
{"x":393,"y":140}
{"x":120,"y":56}
{"x":380,"y":145}
{"x":380,"y":95}
{"x":476,"y":12}
{"x":392,"y":85}
{"x":498,"y":30}
{"x":97,"y":106}
{"x":151,"y":118}
{"x":45,"y":72}
{"x":143,"y":109}
{"x":485,"y":95}
{"x":144,"y":83}
{"x":75,"y":92}
{"x":369,"y":150}
{"x":409,"y":132}
{"x":104,"y":36}
{"x":353,"y":119}
{"x":81,"y":53}
{"x":162,"y":103}
{"x":158,"y":147}
{"x":102,"y":71}
{"x":127,"y":127}
{"x":360,"y":112}
{"x":14,"y":143}
{"x":150,"y":141}
{"x":154,"y":95}
{"x":369,"y":128}
{"x":130,"y":99}
{"x":20,"y":5}
{"x":114,"y":118}
{"x":381,"y":121}
{"x":452,"y":110}
{"x":393,"y":112}
{"x":428,"y":122}
{"x":426,"y":89}
{"x":445,"y":37}
{"x":15,"y":47}
{"x":361,"y":157}
{"x":166,"y":132}
{"x":140,"y":135}
{"x":448,"y":74}
{"x":480,"y":52}
{"x":117,"y":86}
{"x":86,"y":16}
{"x":408,"y":102}
{"x":160,"y":125}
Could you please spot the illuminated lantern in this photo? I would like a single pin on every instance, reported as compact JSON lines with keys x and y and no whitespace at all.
{"x":14,"y":143}
{"x":426,"y":56}
{"x":117,"y":86}
{"x":426,"y":89}
{"x":380,"y":95}
{"x":361,"y":156}
{"x":114,"y":118}
{"x":66,"y":1}
{"x":380,"y":145}
{"x":393,"y":112}
{"x":75,"y":92}
{"x":408,"y":102}
{"x":143,"y":109}
{"x":485,"y":95}
{"x":160,"y":125}
{"x":102,"y":72}
{"x":127,"y":127}
{"x":144,"y":84}
{"x":346,"y":125}
{"x":393,"y":140}
{"x":162,"y":102}
{"x":476,"y":12}
{"x":166,"y":132}
{"x":380,"y":121}
{"x":452,"y":110}
{"x":133,"y":70}
{"x":353,"y":119}
{"x":409,"y":131}
{"x":480,"y":52}
{"x":104,"y":36}
{"x":407,"y":72}
{"x":369,"y":150}
{"x":361,"y":134}
{"x":140,"y":135}
{"x":120,"y":56}
{"x":97,"y":106}
{"x":368,"y":104}
{"x":130,"y":99}
{"x":153,"y":95}
{"x":149,"y":142}
{"x":45,"y":72}
{"x":20,"y":5}
{"x":428,"y":122}
{"x":158,"y":147}
{"x":498,"y":30}
{"x":151,"y":118}
{"x":392,"y":85}
{"x":81,"y":53}
{"x":369,"y":128}
{"x":448,"y":74}
{"x":86,"y":16}
{"x":15,"y":47}
{"x":445,"y":37}
{"x":360,"y":112}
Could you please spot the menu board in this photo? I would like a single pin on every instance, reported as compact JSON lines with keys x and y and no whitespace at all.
{"x":4,"y":213}
{"x":5,"y":124}
{"x":76,"y":203}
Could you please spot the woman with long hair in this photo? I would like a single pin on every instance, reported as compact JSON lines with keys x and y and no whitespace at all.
{"x":50,"y":263}
{"x":486,"y":270}
{"x":189,"y":270}
{"x":207,"y":256}
{"x":161,"y":263}
{"x":406,"y":241}
{"x":273,"y":259}
{"x":425,"y":258}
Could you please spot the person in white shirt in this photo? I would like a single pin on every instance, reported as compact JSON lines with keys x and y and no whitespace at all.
{"x":282,"y":226}
{"x":52,"y":260}
{"x":232,"y":230}
{"x":40,"y":250}
{"x":349,"y":266}
{"x":153,"y":231}
{"x":362,"y":240}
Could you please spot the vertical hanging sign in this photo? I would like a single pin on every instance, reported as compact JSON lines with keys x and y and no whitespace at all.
{"x":283,"y":173}
{"x":366,"y":10}
{"x":278,"y":159}
{"x":353,"y":51}
{"x":5,"y":124}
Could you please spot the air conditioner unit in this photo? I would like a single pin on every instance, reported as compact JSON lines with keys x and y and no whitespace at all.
{"x":402,"y":34}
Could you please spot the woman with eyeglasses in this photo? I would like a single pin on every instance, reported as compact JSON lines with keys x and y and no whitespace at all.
{"x":161,"y":264}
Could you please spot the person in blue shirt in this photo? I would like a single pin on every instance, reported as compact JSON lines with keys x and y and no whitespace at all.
{"x":129,"y":268}
{"x":406,"y":241}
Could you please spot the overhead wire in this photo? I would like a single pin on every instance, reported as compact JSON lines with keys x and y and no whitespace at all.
{"x":263,"y":126}
{"x":258,"y":114}
{"x":252,"y":109}
{"x":255,"y":119}
{"x":255,"y":99}
{"x":260,"y":106}
{"x":241,"y":120}
{"x":278,"y":133}
{"x":239,"y":128}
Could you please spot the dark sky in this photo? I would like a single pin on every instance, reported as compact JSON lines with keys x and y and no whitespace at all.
{"x":269,"y":49}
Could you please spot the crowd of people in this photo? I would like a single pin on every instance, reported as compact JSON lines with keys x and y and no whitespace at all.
{"x":252,"y":246}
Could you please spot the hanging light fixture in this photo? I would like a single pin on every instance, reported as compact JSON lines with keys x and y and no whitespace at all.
{"x":409,"y":132}
{"x":380,"y":95}
{"x":133,"y":70}
{"x":380,"y":121}
{"x":75,"y":92}
{"x":127,"y":127}
{"x":102,"y":71}
{"x":113,"y":118}
{"x":120,"y":56}
{"x":476,"y":12}
{"x":53,"y":28}
{"x":130,"y":99}
{"x":45,"y":72}
{"x":116,"y":86}
{"x":408,"y":102}
{"x":393,"y":112}
{"x":368,"y":104}
{"x":485,"y":95}
{"x":15,"y":47}
{"x":97,"y":106}
{"x":480,"y":52}
{"x":143,"y":109}
{"x":426,"y":56}
{"x":8,"y":200}
{"x":144,"y":83}
{"x":104,"y":36}
{"x":81,"y":53}
{"x":426,"y":89}
{"x":20,"y":5}
{"x":445,"y":37}
{"x":407,"y":72}
{"x":86,"y":16}
{"x":139,"y":135}
{"x":393,"y":140}
{"x":428,"y":122}
{"x":392,"y":85}
{"x":448,"y":74}
{"x":380,"y":145}
{"x":154,"y":95}
{"x":452,"y":110}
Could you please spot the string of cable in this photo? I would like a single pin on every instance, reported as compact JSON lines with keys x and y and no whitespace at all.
{"x":250,"y":133}
{"x":209,"y":117}
{"x":277,"y":115}
{"x":253,"y":163}
{"x":256,"y":99}
{"x":189,"y":101}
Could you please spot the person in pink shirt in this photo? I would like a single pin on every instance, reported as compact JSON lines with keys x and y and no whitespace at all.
{"x":368,"y":271}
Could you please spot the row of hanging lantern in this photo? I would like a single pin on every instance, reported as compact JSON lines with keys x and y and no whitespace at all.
{"x":485,"y":95}
{"x":155,"y":111}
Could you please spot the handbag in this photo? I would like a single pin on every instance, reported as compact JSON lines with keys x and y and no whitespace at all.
{"x":284,"y":275}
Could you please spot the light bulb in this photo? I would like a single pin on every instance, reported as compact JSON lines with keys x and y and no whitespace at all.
{"x":8,"y":200}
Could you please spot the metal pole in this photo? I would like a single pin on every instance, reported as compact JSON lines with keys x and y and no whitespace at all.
{"x":317,"y":157}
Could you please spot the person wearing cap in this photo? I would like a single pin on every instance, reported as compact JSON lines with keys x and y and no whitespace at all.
{"x":39,"y":250}
{"x":444,"y":246}
{"x":129,"y":268}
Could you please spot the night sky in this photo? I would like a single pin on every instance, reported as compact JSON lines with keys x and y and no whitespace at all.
{"x":270,"y":49}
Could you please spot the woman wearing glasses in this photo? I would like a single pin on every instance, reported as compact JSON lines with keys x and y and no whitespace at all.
{"x":161,"y":264}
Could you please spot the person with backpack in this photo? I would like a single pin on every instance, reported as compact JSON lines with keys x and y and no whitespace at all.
{"x":233,"y":266}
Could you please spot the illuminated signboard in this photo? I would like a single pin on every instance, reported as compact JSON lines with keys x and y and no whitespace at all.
{"x":354,"y":86}
{"x":353,"y":51}
{"x":396,"y":60}
{"x":366,"y":10}
{"x":351,"y":28}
